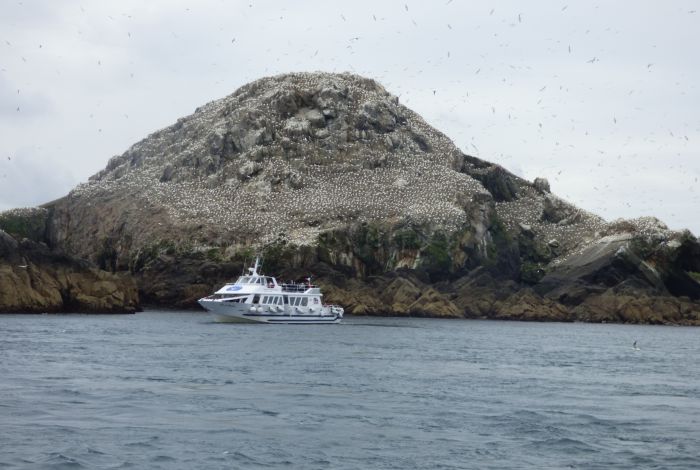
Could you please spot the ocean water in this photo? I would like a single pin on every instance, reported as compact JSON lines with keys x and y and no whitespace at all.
{"x":174,"y":390}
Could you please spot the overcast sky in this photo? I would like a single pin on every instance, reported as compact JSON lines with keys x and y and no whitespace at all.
{"x":601,"y":98}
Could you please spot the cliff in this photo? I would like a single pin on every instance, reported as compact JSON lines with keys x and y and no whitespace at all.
{"x":329,"y":174}
{"x":35,"y":279}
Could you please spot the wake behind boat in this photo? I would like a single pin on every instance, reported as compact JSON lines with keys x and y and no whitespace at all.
{"x":257,"y":298}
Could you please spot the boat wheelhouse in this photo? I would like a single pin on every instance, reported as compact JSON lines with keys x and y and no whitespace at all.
{"x":256,"y":298}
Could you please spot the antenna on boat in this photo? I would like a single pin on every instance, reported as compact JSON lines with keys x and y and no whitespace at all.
{"x":254,"y":269}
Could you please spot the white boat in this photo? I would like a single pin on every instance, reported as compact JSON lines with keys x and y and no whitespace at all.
{"x":257,"y":298}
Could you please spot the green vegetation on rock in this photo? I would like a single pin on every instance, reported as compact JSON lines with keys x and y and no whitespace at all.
{"x":25,"y":223}
{"x":436,"y":259}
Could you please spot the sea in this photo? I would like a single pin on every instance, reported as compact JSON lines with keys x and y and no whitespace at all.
{"x":175,"y":390}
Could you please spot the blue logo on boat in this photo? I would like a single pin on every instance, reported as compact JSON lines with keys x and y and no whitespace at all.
{"x":232,"y":288}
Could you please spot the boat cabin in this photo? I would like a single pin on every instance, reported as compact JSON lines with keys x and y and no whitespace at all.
{"x":257,"y":280}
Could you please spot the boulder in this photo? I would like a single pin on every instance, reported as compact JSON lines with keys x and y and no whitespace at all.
{"x":432,"y":303}
{"x":378,"y":115}
{"x":541,"y":184}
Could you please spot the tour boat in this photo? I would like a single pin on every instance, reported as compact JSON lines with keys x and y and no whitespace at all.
{"x":256,"y":298}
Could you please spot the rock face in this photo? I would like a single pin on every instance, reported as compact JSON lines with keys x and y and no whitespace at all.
{"x":330,"y":174}
{"x":34,"y":279}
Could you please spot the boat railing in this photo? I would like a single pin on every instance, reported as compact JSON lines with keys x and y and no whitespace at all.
{"x":293,"y":287}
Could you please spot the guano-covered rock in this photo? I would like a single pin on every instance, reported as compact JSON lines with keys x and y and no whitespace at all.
{"x":330,"y":174}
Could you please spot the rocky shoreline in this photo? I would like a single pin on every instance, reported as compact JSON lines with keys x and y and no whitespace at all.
{"x":329,"y":175}
{"x":35,"y":279}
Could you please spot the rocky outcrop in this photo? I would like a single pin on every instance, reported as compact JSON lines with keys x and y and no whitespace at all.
{"x":329,"y":174}
{"x":33,"y":279}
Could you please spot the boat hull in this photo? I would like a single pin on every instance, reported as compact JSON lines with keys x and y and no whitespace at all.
{"x":232,"y":312}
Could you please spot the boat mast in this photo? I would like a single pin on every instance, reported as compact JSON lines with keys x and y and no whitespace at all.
{"x":254,"y":269}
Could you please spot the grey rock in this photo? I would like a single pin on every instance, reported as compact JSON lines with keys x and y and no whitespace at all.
{"x":248,"y":169}
{"x":168,"y":172}
{"x":8,"y":244}
{"x":315,"y":118}
{"x":556,"y":210}
{"x":322,"y":134}
{"x":542,"y":185}
{"x":378,"y":115}
{"x":297,"y":127}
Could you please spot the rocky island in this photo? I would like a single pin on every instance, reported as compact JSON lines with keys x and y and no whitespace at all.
{"x":328,"y":174}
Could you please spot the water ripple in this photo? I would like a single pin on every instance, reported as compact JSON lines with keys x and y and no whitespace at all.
{"x":177,"y":391}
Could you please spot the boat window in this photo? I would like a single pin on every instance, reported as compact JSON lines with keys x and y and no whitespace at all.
{"x":242,"y":280}
{"x":304,"y":301}
{"x":256,"y":299}
{"x":285,"y":299}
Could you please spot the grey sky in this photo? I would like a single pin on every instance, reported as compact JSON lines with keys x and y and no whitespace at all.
{"x":599,"y":97}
